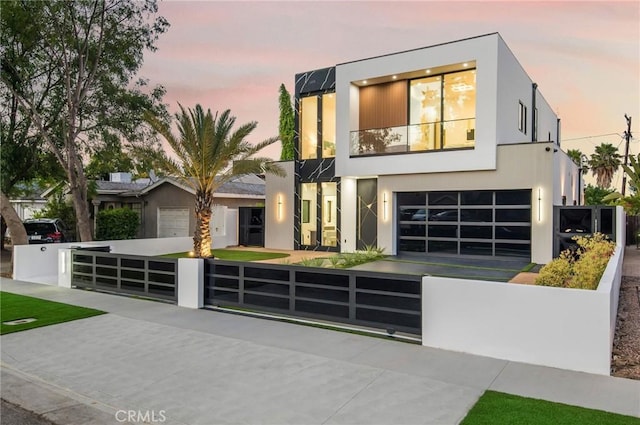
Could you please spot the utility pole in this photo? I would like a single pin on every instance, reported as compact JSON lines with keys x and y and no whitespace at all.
{"x":627,"y":136}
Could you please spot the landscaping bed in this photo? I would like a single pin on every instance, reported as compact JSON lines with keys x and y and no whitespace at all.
{"x":625,"y":362}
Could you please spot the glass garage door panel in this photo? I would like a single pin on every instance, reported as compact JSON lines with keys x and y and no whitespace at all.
{"x":482,"y":222}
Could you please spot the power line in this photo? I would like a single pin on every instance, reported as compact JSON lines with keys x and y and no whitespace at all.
{"x":599,"y":135}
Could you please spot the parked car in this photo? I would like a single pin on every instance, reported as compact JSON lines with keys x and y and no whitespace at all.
{"x":46,"y":230}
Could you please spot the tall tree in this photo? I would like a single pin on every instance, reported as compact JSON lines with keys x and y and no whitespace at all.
{"x":287,"y":125}
{"x":23,"y":160}
{"x":77,"y":83}
{"x":210,"y":154}
{"x":604,"y":163}
{"x":576,"y":156}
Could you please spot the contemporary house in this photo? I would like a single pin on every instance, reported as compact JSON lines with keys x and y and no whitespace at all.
{"x":448,"y":149}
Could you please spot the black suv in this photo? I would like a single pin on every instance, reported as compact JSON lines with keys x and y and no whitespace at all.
{"x":46,"y":230}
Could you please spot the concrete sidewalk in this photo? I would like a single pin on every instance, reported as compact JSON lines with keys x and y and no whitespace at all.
{"x":205,"y":367}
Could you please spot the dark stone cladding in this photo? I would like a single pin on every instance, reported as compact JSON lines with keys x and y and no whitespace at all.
{"x":318,"y":80}
{"x":315,"y":170}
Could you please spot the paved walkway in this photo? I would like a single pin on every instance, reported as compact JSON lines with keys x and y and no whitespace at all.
{"x":205,"y":367}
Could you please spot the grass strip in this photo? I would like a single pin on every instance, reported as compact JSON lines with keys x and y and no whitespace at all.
{"x":15,"y":307}
{"x":500,"y":408}
{"x":234,"y":255}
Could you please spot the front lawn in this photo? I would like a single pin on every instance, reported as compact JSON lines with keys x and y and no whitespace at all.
{"x":15,"y":307}
{"x":235,"y":255}
{"x":499,"y":408}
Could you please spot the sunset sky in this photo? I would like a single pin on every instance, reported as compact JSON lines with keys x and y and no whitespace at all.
{"x":585,"y":56}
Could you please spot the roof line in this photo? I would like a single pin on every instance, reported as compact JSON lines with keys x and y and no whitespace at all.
{"x":421,"y":48}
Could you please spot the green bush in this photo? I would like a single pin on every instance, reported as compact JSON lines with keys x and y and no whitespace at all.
{"x":116,"y":224}
{"x":581,"y":268}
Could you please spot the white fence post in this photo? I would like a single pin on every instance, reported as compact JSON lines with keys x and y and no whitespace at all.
{"x":64,"y":268}
{"x":191,"y":282}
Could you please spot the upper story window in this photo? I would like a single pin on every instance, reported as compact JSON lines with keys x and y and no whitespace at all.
{"x":329,"y":125}
{"x":309,"y":127}
{"x":422,"y":114}
{"x":314,"y":110}
{"x":522,"y":117}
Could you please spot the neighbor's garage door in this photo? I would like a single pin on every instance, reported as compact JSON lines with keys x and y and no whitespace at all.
{"x":486,"y":222}
{"x":173,"y":222}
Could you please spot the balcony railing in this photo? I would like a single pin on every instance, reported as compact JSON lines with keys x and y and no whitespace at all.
{"x":454,"y":134}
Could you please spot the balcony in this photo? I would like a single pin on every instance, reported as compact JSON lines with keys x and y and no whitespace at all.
{"x":436,"y":136}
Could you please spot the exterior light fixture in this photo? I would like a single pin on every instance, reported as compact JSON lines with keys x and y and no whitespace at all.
{"x":279,"y":207}
{"x":465,"y":65}
{"x":395,"y":77}
{"x":428,"y":71}
{"x":364,"y":81}
{"x":384,"y":206}
{"x":539,"y":204}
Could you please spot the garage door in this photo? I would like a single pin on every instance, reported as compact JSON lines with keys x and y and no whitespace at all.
{"x":485,"y":222}
{"x":173,"y":222}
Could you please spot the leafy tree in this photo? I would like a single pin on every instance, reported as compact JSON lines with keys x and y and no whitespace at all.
{"x":210,"y":154}
{"x":24,"y":162}
{"x":631,"y":202}
{"x":604,"y":163}
{"x":117,"y":224}
{"x":594,"y":195}
{"x":76,"y":82}
{"x":287,"y":125}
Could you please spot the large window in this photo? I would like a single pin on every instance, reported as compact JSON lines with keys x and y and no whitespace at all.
{"x":329,"y":125}
{"x":308,"y":208}
{"x":309,"y":127}
{"x":442,"y":111}
{"x":329,"y":214}
{"x":328,"y":211}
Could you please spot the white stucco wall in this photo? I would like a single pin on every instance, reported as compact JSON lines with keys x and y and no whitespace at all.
{"x":279,"y":209}
{"x":484,"y":50}
{"x":547,"y":120}
{"x":524,"y":166}
{"x":558,"y":327}
{"x":565,"y":174}
{"x":514,"y":86}
{"x":46,"y":255}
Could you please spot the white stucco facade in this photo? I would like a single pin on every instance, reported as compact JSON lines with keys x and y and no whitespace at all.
{"x":514,"y":145}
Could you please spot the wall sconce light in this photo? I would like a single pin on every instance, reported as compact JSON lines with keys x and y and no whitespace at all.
{"x":539,"y":204}
{"x":384,"y":206}
{"x":279,"y":207}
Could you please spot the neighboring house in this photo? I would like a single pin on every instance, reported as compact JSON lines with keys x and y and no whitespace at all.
{"x":169,"y":205}
{"x":447,"y":149}
{"x":28,"y":203}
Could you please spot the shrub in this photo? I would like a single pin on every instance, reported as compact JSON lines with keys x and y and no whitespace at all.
{"x":116,"y":224}
{"x":312,"y":262}
{"x":557,"y":272}
{"x":581,"y":268}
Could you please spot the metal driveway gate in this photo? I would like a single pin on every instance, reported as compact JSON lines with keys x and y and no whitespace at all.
{"x":150,"y":277}
{"x":382,"y":300}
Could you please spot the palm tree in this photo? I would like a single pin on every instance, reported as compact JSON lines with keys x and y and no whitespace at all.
{"x":604,"y":163}
{"x":210,"y":154}
{"x":576,"y":156}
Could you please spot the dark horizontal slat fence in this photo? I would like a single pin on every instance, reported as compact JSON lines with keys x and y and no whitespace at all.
{"x":382,"y":300}
{"x":150,"y":277}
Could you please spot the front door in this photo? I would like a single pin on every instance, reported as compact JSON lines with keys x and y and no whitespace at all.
{"x":367,"y":213}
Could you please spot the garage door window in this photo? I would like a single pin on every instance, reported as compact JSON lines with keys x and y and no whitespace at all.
{"x":495,"y":223}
